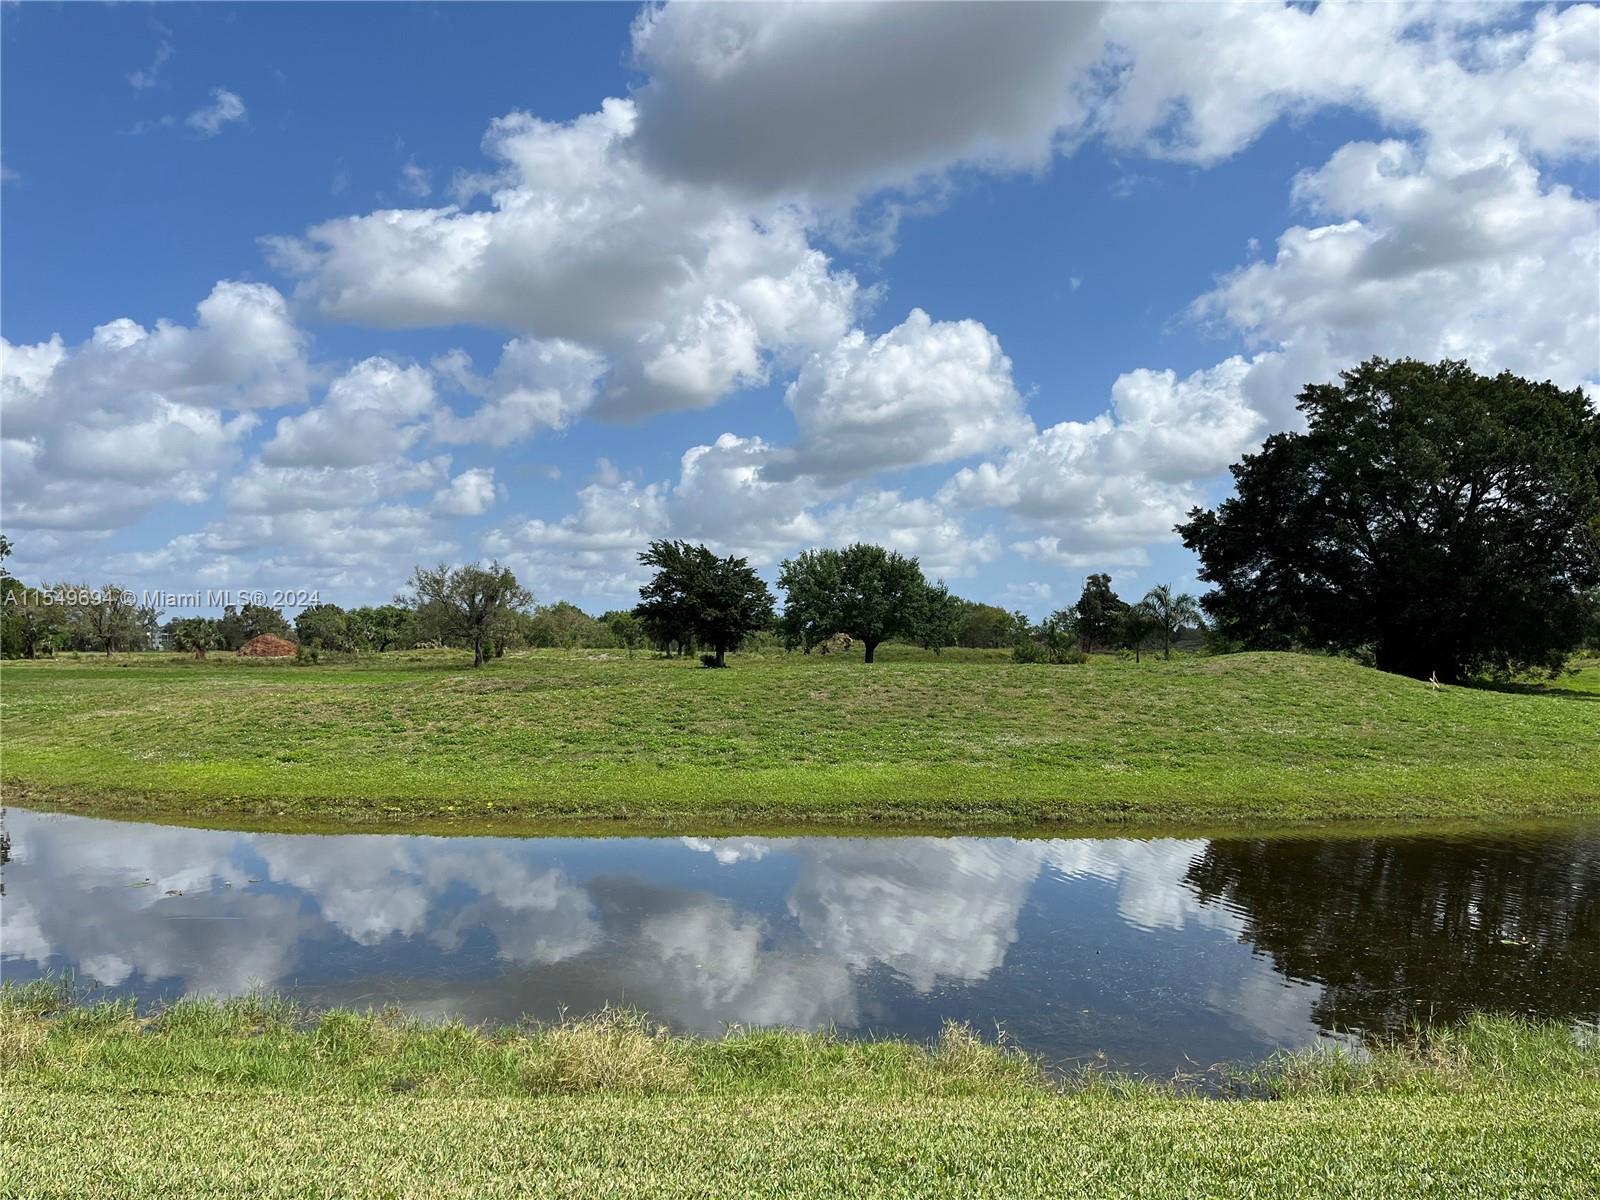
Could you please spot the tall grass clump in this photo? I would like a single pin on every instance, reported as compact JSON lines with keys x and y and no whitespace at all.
{"x":1482,"y":1051}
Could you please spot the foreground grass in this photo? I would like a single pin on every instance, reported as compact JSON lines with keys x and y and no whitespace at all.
{"x":782,"y":740}
{"x":257,"y":1098}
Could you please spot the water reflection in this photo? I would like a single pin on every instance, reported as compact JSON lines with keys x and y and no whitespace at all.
{"x":1413,"y":928}
{"x":1162,"y":953}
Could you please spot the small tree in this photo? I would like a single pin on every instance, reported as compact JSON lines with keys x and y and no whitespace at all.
{"x":627,"y":629}
{"x":378,"y":628}
{"x":1050,"y":641}
{"x":467,"y":602}
{"x":939,"y":622}
{"x":984,"y":626}
{"x":1097,"y":616}
{"x":1171,"y":613}
{"x":195,"y":635}
{"x":111,"y":618}
{"x":324,"y":626}
{"x":723,"y":599}
{"x":31,"y":619}
{"x":1136,"y":628}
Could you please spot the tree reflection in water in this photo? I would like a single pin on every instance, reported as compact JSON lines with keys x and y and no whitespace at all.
{"x":1424,"y":928}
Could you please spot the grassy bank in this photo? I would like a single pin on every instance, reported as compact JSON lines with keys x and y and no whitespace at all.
{"x":966,"y":739}
{"x":256,"y":1098}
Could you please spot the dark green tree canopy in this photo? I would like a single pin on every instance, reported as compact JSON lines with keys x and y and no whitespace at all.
{"x":720,"y":601}
{"x":378,"y":627}
{"x":1097,"y":616}
{"x":195,"y":635}
{"x":325,"y":626}
{"x":866,"y":591}
{"x":812,"y":586}
{"x":939,"y":621}
{"x":1446,"y":520}
{"x":665,"y":609}
{"x":985,"y":626}
{"x":238,"y":625}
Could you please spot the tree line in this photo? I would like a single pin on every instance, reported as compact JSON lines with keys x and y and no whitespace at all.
{"x":874,"y":595}
{"x":695,"y":600}
{"x":70,"y":617}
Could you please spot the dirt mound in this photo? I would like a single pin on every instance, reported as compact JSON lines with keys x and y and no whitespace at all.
{"x":267,"y":646}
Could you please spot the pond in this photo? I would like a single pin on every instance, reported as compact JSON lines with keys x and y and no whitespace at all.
{"x":1155,"y":955}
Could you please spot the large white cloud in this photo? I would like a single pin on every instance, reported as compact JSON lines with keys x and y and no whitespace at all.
{"x":470,"y":494}
{"x":724,"y":495}
{"x":734,"y":98}
{"x":1427,"y":254}
{"x":97,"y":435}
{"x":244,"y":351}
{"x":266,"y":489}
{"x":925,"y":392}
{"x":371,"y":414}
{"x":833,"y":99}
{"x":1452,"y":72}
{"x":1106,"y":486}
{"x":686,"y":292}
{"x":538,"y":385}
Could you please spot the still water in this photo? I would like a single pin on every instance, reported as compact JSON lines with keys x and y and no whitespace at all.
{"x":1160,"y":955}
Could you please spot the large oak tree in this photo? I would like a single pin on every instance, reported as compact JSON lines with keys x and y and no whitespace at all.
{"x":866,"y":591}
{"x":1445,"y":520}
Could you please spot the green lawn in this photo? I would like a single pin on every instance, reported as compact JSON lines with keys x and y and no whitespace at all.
{"x":591,"y":739}
{"x":256,"y":1099}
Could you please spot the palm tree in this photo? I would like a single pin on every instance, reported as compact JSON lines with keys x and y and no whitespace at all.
{"x":1136,"y":627}
{"x":1172,"y":614}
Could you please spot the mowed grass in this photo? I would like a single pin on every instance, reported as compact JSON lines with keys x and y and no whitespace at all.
{"x":966,"y":739}
{"x":256,"y":1098}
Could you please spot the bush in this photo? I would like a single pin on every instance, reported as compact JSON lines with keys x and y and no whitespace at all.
{"x":1048,"y":651}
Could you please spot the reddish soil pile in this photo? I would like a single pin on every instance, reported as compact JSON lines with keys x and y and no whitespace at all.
{"x":267,"y":646}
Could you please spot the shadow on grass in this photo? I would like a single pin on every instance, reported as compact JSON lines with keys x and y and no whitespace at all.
{"x":1524,"y":688}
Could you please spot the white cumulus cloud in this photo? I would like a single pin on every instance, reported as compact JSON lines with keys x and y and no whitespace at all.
{"x":470,"y":494}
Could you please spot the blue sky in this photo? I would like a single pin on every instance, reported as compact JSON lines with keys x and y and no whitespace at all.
{"x":1004,"y":288}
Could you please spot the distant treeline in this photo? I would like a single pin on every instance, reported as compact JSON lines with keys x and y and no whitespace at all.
{"x":834,"y":599}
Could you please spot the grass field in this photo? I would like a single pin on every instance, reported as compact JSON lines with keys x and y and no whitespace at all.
{"x":255,"y":1098}
{"x":588,"y":738}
